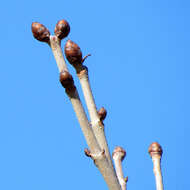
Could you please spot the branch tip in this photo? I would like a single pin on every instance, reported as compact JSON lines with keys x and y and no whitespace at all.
{"x":155,"y":149}
{"x":119,"y":151}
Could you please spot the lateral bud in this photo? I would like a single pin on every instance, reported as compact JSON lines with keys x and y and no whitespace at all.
{"x":40,"y":32}
{"x":87,"y":152}
{"x":62,"y":29}
{"x":67,"y":81}
{"x":102,"y":113}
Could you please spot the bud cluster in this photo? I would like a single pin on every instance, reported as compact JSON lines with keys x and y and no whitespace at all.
{"x":41,"y":33}
{"x":72,"y":50}
{"x":62,"y":29}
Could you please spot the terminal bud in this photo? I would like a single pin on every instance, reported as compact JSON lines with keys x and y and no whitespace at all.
{"x":155,"y":149}
{"x":62,"y":29}
{"x":40,"y":32}
{"x":73,"y":53}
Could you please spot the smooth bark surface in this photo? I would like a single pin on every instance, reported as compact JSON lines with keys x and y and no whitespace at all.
{"x":157,"y":172}
{"x":97,"y":153}
{"x":97,"y":125}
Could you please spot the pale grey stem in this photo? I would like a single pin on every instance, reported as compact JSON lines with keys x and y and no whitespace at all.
{"x":84,"y":80}
{"x":97,"y":125}
{"x":97,"y":155}
{"x":157,"y":171}
{"x":100,"y":159}
{"x":155,"y":151}
{"x":118,"y":156}
{"x":55,"y":44}
{"x":84,"y":123}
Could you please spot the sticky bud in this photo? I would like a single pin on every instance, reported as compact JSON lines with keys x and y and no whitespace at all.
{"x":40,"y":32}
{"x":73,"y":53}
{"x":62,"y":29}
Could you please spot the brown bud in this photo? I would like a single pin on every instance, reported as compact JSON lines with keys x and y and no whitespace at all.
{"x":66,"y":80}
{"x":102,"y":113}
{"x":87,"y":152}
{"x":119,"y":151}
{"x":62,"y":29}
{"x":73,"y":53}
{"x":155,"y":149}
{"x":40,"y":32}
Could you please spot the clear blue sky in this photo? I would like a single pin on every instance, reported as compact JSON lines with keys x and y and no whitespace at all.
{"x":139,"y":70}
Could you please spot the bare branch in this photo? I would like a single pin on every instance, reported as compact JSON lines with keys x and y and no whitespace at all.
{"x":74,"y":56}
{"x":118,"y":155}
{"x":155,"y":151}
{"x":97,"y":153}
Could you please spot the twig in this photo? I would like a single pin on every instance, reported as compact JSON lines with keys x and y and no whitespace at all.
{"x":67,"y":82}
{"x":97,"y":153}
{"x":155,"y":151}
{"x":74,"y":56}
{"x":118,"y":155}
{"x":55,"y":44}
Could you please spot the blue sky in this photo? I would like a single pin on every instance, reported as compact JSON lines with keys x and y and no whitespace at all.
{"x":139,"y":71}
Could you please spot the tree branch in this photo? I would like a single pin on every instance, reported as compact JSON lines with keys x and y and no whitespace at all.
{"x":74,"y":56}
{"x":97,"y":153}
